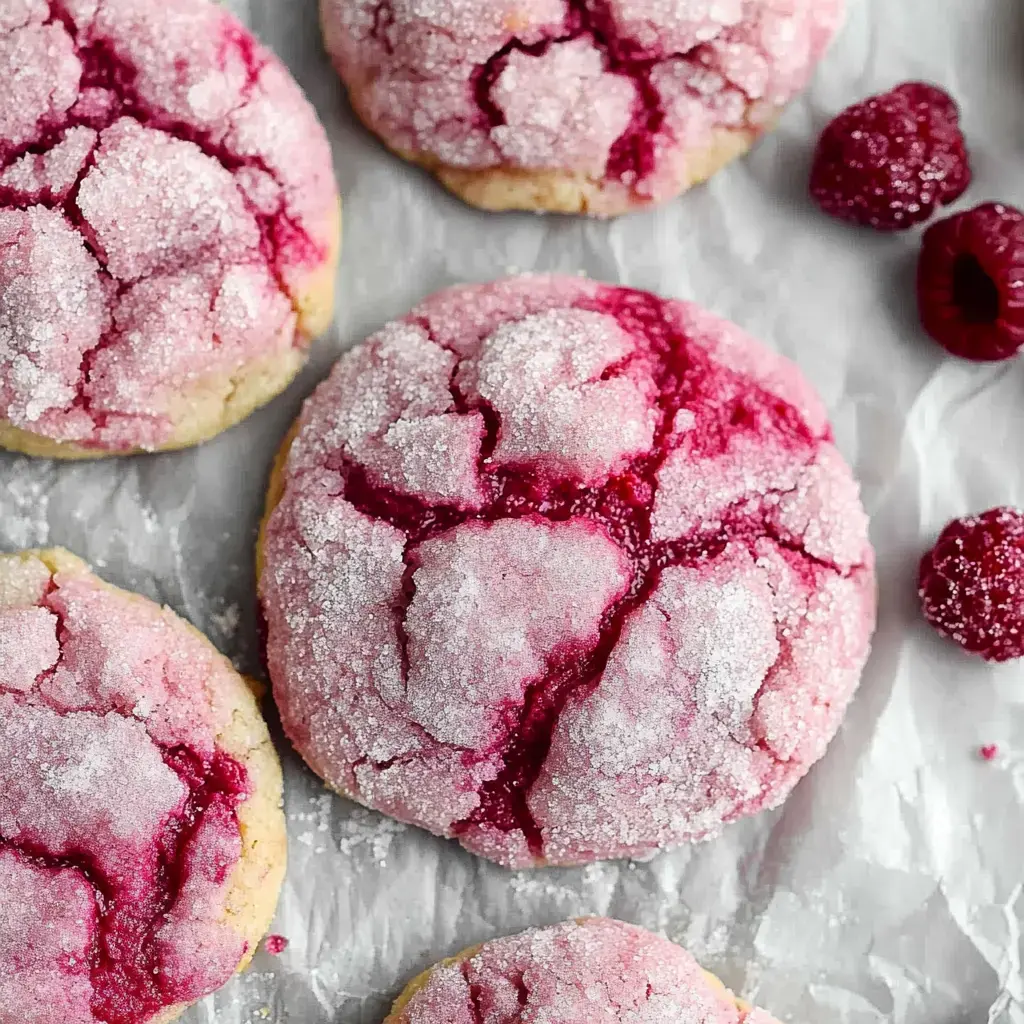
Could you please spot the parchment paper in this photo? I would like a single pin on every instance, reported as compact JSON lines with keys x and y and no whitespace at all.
{"x":889,"y":887}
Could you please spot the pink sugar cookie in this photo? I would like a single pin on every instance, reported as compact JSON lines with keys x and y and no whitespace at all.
{"x":564,"y":571}
{"x":574,"y":106}
{"x":591,"y":971}
{"x":169,"y":225}
{"x":142,"y":840}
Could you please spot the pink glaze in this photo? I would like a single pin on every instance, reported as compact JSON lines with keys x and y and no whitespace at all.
{"x":165,"y":195}
{"x":565,"y":571}
{"x":595,"y":971}
{"x":617,"y":89}
{"x":118,"y":823}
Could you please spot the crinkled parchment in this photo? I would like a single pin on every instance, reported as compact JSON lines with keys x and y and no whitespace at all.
{"x":889,"y":887}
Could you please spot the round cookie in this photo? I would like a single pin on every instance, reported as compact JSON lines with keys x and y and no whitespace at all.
{"x":142,"y":841}
{"x":564,"y":571}
{"x":574,"y":106}
{"x":169,"y":225}
{"x":591,"y":971}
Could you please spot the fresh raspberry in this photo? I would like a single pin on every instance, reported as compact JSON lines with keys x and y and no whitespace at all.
{"x":889,"y":161}
{"x":970,"y":282}
{"x":971,"y":584}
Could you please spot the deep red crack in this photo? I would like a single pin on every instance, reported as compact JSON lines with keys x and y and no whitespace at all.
{"x":789,"y":545}
{"x":383,"y":20}
{"x":522,"y":992}
{"x":418,"y":520}
{"x":103,"y":67}
{"x":84,"y":866}
{"x":236,"y":37}
{"x":214,"y":788}
{"x":807,"y":567}
{"x":123,"y":962}
{"x":632,"y":156}
{"x":60,"y":629}
{"x":475,"y":995}
{"x":399,"y":611}
{"x":14,"y":198}
{"x":282,"y":240}
{"x":109,"y":338}
{"x":401,"y":608}
{"x":478,"y":989}
{"x":486,"y":76}
{"x":504,"y":802}
{"x":622,"y":506}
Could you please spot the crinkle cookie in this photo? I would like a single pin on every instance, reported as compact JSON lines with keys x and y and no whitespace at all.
{"x":142,"y":842}
{"x":591,"y":971}
{"x":576,"y":106}
{"x":169,"y":225}
{"x":564,"y":571}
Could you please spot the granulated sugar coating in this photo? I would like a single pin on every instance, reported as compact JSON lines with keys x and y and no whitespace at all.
{"x":141,"y":837}
{"x":592,"y":971}
{"x":564,"y":571}
{"x":595,"y":106}
{"x":168,"y":225}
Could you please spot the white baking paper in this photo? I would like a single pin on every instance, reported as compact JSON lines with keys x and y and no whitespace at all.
{"x":889,"y":888}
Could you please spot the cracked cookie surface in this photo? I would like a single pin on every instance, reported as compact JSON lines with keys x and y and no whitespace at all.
{"x":564,"y":571}
{"x":168,"y":225}
{"x":142,"y":840}
{"x":593,"y":106}
{"x":591,"y":971}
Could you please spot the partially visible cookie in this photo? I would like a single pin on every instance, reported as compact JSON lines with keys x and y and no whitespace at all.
{"x":169,"y":225}
{"x":142,"y":841}
{"x":591,"y":971}
{"x":574,"y":106}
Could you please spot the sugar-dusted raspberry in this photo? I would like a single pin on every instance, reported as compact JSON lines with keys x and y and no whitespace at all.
{"x":972,"y":584}
{"x":564,"y":571}
{"x":970,"y":282}
{"x":888,"y":161}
